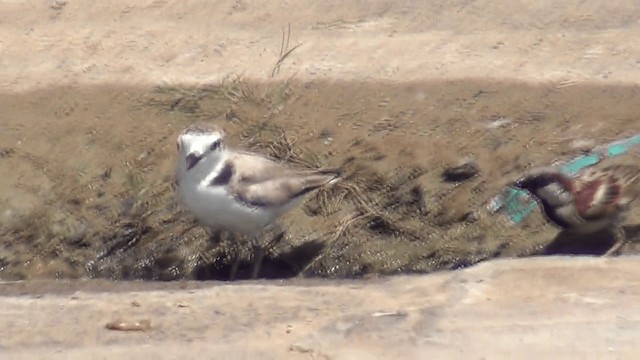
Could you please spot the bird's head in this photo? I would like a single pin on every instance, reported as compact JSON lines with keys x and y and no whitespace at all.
{"x":199,"y":142}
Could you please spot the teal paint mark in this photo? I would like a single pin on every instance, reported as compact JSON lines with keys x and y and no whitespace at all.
{"x":516,"y":204}
{"x":579,"y":163}
{"x":621,"y":147}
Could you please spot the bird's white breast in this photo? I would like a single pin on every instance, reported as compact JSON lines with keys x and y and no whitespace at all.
{"x":213,"y":206}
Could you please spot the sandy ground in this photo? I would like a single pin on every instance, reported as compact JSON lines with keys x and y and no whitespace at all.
{"x":414,"y":78}
{"x":153,"y":42}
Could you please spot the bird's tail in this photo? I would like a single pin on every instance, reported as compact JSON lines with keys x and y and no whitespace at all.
{"x":321,"y":177}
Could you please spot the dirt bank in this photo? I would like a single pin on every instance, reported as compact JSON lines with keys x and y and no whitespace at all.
{"x":90,"y":185}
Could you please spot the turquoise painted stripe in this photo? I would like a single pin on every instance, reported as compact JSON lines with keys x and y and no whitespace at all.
{"x":516,"y":204}
{"x":621,"y":147}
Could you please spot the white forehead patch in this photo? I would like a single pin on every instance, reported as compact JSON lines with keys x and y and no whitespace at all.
{"x":199,"y":141}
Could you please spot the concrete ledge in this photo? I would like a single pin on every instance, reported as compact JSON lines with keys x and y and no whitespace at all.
{"x":539,"y":307}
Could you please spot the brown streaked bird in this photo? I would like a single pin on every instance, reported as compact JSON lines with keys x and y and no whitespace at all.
{"x":238,"y":191}
{"x":592,"y":200}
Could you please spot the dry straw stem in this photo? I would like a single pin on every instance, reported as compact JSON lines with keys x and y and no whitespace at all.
{"x":368,"y":206}
{"x":284,"y":50}
{"x":337,"y":234}
{"x":268,"y":138}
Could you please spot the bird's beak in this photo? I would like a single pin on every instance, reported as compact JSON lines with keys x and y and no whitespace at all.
{"x":192,"y":160}
{"x":519,"y":182}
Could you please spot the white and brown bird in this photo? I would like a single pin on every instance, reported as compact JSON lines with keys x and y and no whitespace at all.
{"x":238,"y":191}
{"x":592,"y":200}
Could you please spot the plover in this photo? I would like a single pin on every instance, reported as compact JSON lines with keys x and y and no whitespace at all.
{"x":238,"y":191}
{"x":592,"y":200}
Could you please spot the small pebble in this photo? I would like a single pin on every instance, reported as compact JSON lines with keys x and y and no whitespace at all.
{"x":390,"y":313}
{"x":128,"y":325}
{"x":499,"y":122}
{"x":461,"y":172}
{"x":301,"y":348}
{"x":470,"y":217}
{"x":58,"y":4}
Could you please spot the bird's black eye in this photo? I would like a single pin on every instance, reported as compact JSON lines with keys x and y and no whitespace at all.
{"x":216,"y":144}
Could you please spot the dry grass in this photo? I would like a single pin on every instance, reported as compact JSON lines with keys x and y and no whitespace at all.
{"x":285,"y":51}
{"x":382,"y":218}
{"x":381,"y":222}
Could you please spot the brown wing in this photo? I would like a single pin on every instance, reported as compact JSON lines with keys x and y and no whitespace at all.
{"x":278,"y":192}
{"x":256,"y":169}
{"x":602,"y":192}
{"x":261,"y":182}
{"x":627,"y":176}
{"x":598,"y":197}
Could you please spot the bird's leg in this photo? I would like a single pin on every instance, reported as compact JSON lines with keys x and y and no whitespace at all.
{"x":278,"y":236}
{"x":236,"y":262}
{"x":620,"y":238}
{"x":191,"y":227}
{"x":234,"y":268}
{"x":215,"y":237}
{"x":258,"y":255}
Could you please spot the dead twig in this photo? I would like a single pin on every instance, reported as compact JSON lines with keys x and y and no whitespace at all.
{"x":284,"y":50}
{"x":342,"y":228}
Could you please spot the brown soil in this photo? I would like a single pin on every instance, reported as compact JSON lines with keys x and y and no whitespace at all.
{"x":86,"y":173}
